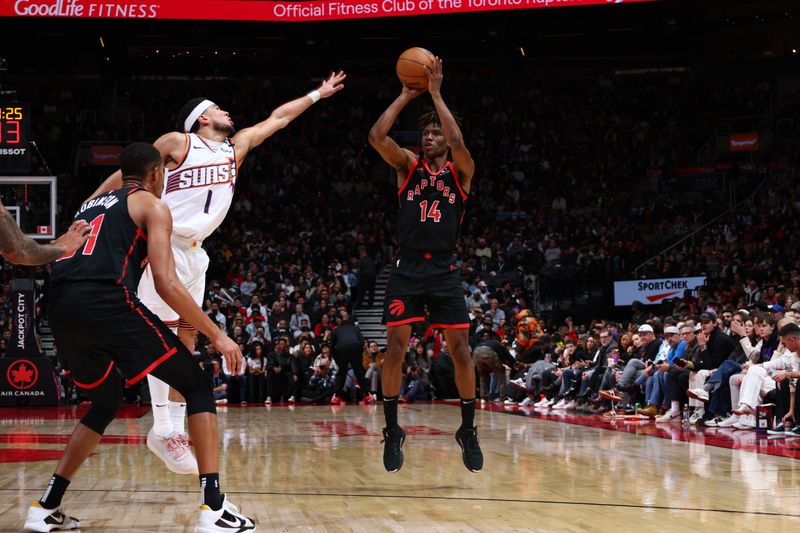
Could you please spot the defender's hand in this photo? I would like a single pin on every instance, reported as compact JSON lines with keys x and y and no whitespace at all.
{"x":74,"y":238}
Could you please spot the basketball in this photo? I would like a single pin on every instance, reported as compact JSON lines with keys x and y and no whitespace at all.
{"x":411,"y":67}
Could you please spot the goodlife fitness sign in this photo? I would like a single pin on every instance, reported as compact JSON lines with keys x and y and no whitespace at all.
{"x":266,"y":10}
{"x":653,"y":291}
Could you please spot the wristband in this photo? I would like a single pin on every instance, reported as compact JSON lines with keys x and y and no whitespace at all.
{"x":315,"y":96}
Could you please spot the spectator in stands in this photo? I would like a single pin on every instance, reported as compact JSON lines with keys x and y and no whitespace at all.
{"x":219,"y":382}
{"x":715,"y":347}
{"x":256,"y":383}
{"x":296,"y":321}
{"x":279,"y":372}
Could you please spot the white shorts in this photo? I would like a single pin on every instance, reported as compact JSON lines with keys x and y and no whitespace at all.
{"x":191,"y":263}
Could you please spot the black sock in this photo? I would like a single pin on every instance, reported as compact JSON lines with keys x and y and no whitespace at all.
{"x":209,"y":485}
{"x":468,"y":413}
{"x":55,"y":491}
{"x":390,"y":411}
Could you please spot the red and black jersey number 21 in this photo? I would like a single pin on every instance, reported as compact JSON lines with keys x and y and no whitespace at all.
{"x":88,"y":248}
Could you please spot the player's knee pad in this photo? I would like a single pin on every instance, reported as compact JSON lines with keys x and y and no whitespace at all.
{"x":195,"y":386}
{"x":99,"y":416}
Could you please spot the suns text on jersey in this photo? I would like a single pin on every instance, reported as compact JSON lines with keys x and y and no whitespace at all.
{"x":202,"y":176}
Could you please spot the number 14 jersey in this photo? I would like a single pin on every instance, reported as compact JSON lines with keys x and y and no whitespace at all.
{"x":431,"y":209}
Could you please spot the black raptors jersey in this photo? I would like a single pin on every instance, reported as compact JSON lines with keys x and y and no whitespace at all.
{"x":115,"y":253}
{"x":431,"y":209}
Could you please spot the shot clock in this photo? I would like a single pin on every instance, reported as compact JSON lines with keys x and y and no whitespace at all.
{"x":15,"y":150}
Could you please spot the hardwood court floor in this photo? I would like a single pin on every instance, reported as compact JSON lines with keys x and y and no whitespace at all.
{"x":320,"y":469}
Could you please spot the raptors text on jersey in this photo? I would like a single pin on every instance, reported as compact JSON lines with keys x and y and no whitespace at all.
{"x":199,"y":191}
{"x":431,"y":209}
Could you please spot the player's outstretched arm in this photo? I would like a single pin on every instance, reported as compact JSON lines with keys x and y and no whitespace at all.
{"x":400,"y":158}
{"x":251,"y":137}
{"x":22,"y":250}
{"x":154,"y":218}
{"x":461,"y":156}
{"x":172,"y":147}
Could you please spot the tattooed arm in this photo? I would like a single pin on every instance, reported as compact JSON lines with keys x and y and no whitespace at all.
{"x":22,"y":250}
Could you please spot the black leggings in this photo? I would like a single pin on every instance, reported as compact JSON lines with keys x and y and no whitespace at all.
{"x":180,"y":372}
{"x":349,"y":355}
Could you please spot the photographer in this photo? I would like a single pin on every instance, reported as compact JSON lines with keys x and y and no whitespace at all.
{"x":491,"y":357}
{"x":321,"y":383}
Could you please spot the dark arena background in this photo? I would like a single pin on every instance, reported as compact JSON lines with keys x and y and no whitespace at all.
{"x":630,"y":241}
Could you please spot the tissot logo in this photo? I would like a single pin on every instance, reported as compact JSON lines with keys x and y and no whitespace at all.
{"x":22,"y":374}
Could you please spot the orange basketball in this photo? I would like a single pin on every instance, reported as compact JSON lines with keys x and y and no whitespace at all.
{"x":411,"y":67}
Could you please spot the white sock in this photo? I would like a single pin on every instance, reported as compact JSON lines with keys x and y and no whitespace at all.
{"x":177,"y":414}
{"x":676,"y":408}
{"x":159,"y":398}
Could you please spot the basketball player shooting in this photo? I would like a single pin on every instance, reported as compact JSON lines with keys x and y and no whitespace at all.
{"x":432,"y":191}
{"x":201,"y":163}
{"x":101,"y":327}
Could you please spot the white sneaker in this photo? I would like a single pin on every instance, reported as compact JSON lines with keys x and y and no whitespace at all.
{"x":561,"y":405}
{"x":669,"y":416}
{"x":291,"y":399}
{"x":268,"y":401}
{"x":714,"y":422}
{"x":509,"y":401}
{"x":542,"y":402}
{"x":697,"y":416}
{"x":174,"y":451}
{"x":41,"y":519}
{"x":729,"y":422}
{"x":228,"y":518}
{"x":527,"y":402}
{"x":549,"y":403}
{"x":698,"y":394}
{"x":571,"y":405}
{"x":746,"y":422}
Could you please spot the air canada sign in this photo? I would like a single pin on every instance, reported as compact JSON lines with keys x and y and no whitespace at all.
{"x":272,"y":10}
{"x":653,"y":291}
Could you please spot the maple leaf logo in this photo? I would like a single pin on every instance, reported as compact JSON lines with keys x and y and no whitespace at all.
{"x":22,"y":375}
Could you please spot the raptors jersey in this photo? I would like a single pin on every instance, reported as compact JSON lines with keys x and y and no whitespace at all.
{"x":199,"y":190}
{"x":431,"y":209}
{"x":116,"y":251}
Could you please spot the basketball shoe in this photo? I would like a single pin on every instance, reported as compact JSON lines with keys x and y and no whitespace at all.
{"x":369,"y":399}
{"x":174,"y":451}
{"x":471,"y":452}
{"x":41,"y":519}
{"x":228,"y":518}
{"x":393,"y":440}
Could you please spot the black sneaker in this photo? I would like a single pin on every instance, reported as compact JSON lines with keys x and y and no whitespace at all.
{"x":393,"y":440}
{"x":471,"y":452}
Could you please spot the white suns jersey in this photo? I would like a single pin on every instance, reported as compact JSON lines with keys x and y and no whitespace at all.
{"x":199,"y":191}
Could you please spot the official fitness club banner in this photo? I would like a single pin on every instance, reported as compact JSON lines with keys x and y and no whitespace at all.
{"x":653,"y":291}
{"x":26,"y":378}
{"x":265,"y":10}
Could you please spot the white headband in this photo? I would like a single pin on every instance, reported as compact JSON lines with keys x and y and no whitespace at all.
{"x":195,"y":114}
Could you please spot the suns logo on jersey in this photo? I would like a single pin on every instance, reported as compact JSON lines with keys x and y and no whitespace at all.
{"x":203,"y":176}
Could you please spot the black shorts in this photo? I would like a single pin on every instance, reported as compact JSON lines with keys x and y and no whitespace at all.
{"x":422,"y":279}
{"x":99,"y":326}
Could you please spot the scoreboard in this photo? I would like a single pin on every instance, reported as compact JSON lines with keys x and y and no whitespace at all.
{"x":15,"y":150}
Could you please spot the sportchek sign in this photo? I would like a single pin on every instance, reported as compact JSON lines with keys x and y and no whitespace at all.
{"x":266,"y":10}
{"x":653,"y":291}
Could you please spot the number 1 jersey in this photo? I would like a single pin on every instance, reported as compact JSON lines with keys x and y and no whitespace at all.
{"x":431,"y":209}
{"x":199,"y":191}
